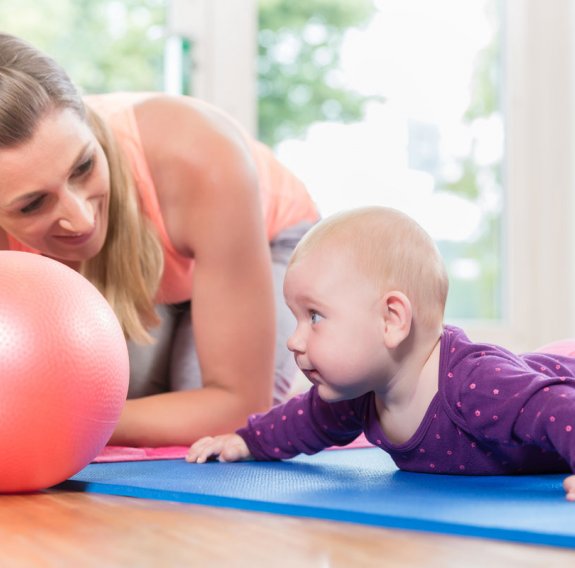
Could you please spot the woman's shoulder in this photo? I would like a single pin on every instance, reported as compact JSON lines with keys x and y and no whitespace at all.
{"x":163,"y":111}
{"x":7,"y":242}
{"x":184,"y":132}
{"x":107,"y":104}
{"x":186,"y":116}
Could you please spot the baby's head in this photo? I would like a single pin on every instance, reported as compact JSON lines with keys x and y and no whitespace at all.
{"x":389,"y":248}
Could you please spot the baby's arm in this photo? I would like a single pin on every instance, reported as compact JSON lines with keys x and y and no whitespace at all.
{"x":304,"y":424}
{"x":526,"y":404}
{"x":548,"y":418}
{"x":226,"y":448}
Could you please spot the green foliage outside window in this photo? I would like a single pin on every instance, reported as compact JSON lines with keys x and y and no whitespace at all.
{"x":299,"y":45}
{"x":114,"y":45}
{"x":104,"y":45}
{"x":483,"y":297}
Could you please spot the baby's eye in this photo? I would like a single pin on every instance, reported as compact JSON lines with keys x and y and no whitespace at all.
{"x":315,"y":317}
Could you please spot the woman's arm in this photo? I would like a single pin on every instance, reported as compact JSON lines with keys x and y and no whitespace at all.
{"x":209,"y":197}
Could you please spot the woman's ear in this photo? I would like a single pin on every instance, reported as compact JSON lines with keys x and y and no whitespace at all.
{"x":397,"y":316}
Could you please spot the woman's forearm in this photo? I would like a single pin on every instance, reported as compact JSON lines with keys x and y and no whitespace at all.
{"x":180,"y":418}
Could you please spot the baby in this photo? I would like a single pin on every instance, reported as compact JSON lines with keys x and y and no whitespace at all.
{"x":368,"y":289}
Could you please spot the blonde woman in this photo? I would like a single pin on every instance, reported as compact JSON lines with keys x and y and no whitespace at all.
{"x":183,"y":222}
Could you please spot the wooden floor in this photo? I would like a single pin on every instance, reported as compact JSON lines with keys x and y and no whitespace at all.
{"x":65,"y":529}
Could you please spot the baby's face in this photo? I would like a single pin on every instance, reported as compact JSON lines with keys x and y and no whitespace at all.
{"x":338,"y":340}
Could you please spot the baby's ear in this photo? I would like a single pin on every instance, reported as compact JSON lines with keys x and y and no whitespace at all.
{"x":397,"y":316}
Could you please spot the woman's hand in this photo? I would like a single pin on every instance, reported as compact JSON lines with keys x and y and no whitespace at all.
{"x":226,"y":448}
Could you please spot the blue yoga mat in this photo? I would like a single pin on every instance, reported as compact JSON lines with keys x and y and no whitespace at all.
{"x":356,"y":485}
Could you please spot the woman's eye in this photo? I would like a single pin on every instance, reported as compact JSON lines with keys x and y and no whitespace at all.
{"x":33,"y":205}
{"x":315,"y":317}
{"x":83,"y":168}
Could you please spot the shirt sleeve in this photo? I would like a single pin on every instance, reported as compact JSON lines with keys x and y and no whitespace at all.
{"x":548,"y":420}
{"x":304,"y":424}
{"x":504,"y":401}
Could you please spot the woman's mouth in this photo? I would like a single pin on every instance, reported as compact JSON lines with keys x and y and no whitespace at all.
{"x":75,"y":239}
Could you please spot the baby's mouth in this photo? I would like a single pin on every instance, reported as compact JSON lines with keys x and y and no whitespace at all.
{"x":311,"y":375}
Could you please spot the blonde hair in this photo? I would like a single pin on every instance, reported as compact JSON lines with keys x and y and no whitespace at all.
{"x":392,"y":250}
{"x":129,"y":267}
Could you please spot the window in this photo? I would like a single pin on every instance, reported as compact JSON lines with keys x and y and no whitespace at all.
{"x":497,"y":159}
{"x":425,"y":77}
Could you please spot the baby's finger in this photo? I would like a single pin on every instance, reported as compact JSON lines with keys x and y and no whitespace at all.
{"x":203,"y":455}
{"x":569,"y":486}
{"x":198,"y":449}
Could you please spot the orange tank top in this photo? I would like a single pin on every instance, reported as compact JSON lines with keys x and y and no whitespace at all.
{"x":285,"y":200}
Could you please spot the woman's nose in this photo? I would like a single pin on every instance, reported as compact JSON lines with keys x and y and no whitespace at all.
{"x":76,"y":214}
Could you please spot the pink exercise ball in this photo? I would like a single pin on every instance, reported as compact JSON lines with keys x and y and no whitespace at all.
{"x":64,"y":372}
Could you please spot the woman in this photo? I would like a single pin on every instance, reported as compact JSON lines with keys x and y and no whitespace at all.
{"x":183,"y":222}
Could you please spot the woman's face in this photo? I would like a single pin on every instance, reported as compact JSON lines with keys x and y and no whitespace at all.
{"x":55,"y":188}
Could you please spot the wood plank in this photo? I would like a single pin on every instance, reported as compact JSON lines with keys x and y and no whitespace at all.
{"x":61,"y":529}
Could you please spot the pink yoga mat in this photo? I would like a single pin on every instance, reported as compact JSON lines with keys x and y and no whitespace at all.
{"x":125,"y":453}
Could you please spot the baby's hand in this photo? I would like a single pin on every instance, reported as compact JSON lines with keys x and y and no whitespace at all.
{"x":227,"y":448}
{"x":569,"y":486}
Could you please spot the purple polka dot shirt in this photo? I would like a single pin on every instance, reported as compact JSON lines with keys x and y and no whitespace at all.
{"x":494,"y":413}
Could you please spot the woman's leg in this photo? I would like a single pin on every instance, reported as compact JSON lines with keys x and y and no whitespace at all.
{"x":150,"y":364}
{"x":285,"y":367}
{"x":185,"y":371}
{"x":184,"y":366}
{"x":561,"y":347}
